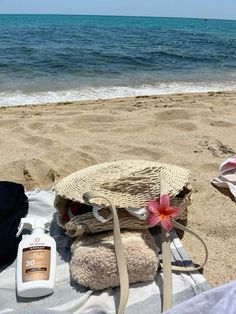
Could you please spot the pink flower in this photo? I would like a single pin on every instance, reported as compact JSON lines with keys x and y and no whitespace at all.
{"x":160,"y":211}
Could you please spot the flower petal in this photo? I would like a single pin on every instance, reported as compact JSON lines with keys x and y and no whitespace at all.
{"x":153,"y":220}
{"x":153,"y":206}
{"x":164,"y":201}
{"x":173,"y":211}
{"x":167,"y":224}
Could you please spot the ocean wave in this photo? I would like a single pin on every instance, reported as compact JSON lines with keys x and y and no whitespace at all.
{"x":20,"y":98}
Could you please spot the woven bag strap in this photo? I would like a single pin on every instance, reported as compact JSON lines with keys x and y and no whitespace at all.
{"x":167,"y":267}
{"x":119,"y":250}
{"x":167,"y":275}
{"x":191,"y":268}
{"x":166,"y":253}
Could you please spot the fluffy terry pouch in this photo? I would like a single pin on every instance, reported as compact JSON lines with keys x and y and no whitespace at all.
{"x":94,"y":264}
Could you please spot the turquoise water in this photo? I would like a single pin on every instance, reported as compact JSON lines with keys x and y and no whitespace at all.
{"x":48,"y":58}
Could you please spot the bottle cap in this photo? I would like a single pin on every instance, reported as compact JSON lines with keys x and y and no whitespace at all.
{"x":31,"y":223}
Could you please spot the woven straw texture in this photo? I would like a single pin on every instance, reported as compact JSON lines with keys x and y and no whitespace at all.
{"x":128,"y":184}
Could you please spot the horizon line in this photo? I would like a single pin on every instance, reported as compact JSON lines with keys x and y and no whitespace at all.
{"x":114,"y":15}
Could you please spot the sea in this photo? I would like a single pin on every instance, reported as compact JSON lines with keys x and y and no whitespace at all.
{"x":58,"y":58}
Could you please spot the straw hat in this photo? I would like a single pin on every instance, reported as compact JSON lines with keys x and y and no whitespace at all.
{"x":127,"y":183}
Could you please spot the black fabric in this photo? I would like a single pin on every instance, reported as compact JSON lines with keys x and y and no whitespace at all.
{"x":13,"y":206}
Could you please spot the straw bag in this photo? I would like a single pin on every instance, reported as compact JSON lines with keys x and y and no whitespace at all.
{"x":115,"y":196}
{"x":128,"y":184}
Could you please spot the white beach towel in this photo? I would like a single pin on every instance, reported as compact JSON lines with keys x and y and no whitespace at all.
{"x":69,"y":297}
{"x":219,"y":300}
{"x":227,"y":176}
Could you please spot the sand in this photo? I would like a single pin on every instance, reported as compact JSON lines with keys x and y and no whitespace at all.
{"x":41,"y":144}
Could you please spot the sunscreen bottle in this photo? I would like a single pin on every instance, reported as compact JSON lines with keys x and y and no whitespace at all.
{"x":36,"y":259}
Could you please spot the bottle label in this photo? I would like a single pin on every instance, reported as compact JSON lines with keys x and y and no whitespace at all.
{"x":36,"y":263}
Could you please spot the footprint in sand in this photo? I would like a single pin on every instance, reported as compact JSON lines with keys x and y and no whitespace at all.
{"x":30,"y":172}
{"x":173,"y":114}
{"x":97,"y":130}
{"x":67,"y":114}
{"x":37,"y":170}
{"x":91,"y":119}
{"x":8,"y":123}
{"x":20,"y":131}
{"x":94,"y":153}
{"x":46,"y":127}
{"x":38,"y":141}
{"x":36,"y":126}
{"x":56,"y":129}
{"x":185,"y":126}
{"x":219,"y":124}
{"x":142,"y":152}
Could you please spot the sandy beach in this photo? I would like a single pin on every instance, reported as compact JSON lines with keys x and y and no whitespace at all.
{"x":41,"y":144}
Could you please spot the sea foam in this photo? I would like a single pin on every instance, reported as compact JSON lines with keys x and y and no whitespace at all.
{"x":89,"y":93}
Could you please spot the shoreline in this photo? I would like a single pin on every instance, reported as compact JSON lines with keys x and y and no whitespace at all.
{"x":40,"y":144}
{"x":121,"y":99}
{"x":113,"y":92}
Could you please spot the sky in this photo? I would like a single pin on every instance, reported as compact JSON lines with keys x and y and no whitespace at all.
{"x":222,"y":9}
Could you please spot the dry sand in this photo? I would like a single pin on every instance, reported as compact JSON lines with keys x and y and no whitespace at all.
{"x":41,"y":144}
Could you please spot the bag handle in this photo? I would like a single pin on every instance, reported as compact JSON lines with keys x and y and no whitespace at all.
{"x":119,"y":250}
{"x":190,"y":268}
{"x":167,"y":267}
{"x":166,"y":254}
